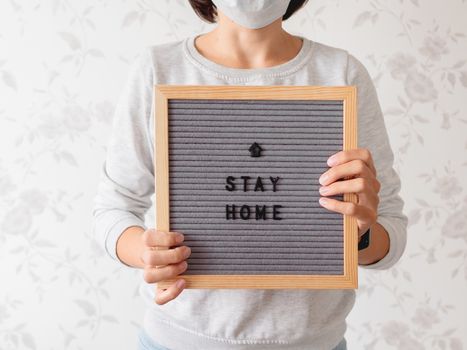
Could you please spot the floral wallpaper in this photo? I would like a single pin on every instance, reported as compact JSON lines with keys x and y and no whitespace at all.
{"x":62,"y":66}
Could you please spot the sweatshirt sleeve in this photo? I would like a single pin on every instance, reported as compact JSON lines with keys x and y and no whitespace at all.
{"x":372,"y":134}
{"x":127,"y":174}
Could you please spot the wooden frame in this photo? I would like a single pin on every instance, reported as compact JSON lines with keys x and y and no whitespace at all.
{"x":347,"y":94}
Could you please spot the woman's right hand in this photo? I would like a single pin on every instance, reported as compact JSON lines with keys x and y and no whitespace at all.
{"x":170,"y":261}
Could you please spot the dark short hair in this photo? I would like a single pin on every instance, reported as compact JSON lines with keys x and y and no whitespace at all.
{"x":207,"y":11}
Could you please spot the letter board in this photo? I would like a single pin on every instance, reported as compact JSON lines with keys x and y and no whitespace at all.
{"x":236,"y":171}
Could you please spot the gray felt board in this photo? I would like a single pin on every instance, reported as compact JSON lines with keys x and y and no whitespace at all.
{"x":210,"y":140}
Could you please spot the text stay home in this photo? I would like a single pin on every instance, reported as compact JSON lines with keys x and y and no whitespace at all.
{"x":247,"y":184}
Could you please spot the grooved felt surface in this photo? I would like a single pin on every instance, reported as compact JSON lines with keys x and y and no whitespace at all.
{"x":210,"y":140}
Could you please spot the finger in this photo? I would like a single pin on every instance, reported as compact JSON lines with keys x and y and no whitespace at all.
{"x":165,"y":257}
{"x":356,"y":167}
{"x":155,"y":274}
{"x":348,"y":208}
{"x":358,"y":185}
{"x":165,"y":295}
{"x":346,"y":156}
{"x":153,"y":238}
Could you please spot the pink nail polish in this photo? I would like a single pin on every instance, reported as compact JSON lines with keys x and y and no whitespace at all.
{"x":180,"y":283}
{"x":323,"y":178}
{"x":323,"y":201}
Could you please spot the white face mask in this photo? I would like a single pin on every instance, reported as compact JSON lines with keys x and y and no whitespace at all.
{"x":252,"y":14}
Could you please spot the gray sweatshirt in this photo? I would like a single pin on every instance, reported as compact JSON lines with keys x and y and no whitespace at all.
{"x":216,"y":319}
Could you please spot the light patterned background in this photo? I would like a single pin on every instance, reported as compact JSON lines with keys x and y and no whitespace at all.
{"x":62,"y":66}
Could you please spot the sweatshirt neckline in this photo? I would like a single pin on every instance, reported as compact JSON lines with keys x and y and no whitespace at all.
{"x":247,"y":74}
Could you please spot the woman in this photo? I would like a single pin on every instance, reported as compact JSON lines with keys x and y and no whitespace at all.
{"x":247,"y":47}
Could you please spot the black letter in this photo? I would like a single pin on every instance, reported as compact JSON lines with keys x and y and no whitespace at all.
{"x":260,"y":213}
{"x":229,"y":211}
{"x":245,"y":179}
{"x":274,"y":182}
{"x":274,"y":212}
{"x":230,"y":180}
{"x":259,"y":184}
{"x":248,"y":212}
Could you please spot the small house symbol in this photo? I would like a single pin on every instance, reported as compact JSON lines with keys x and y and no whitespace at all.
{"x":255,"y":150}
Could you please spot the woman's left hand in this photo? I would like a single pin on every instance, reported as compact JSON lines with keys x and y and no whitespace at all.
{"x":357,"y":164}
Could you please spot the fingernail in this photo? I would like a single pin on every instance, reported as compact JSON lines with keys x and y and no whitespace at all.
{"x":179,"y":237}
{"x":323,"y":178}
{"x":324,"y":190}
{"x":187,"y":251}
{"x":180,"y":283}
{"x":323,"y":201}
{"x":332,"y":160}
